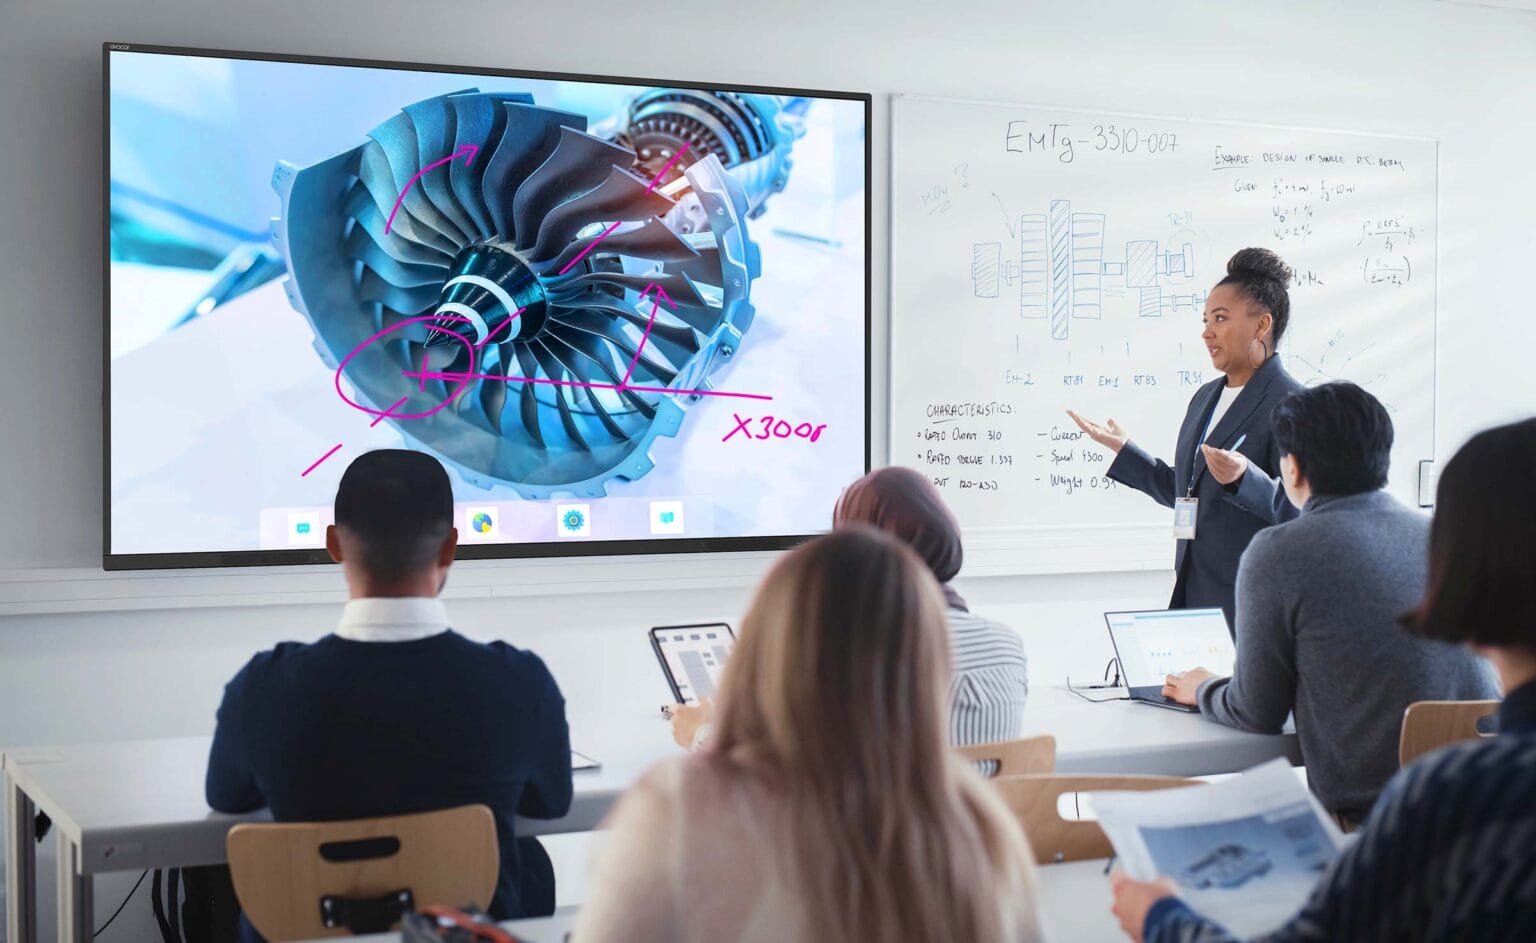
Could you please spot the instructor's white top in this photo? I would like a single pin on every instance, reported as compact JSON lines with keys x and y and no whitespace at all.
{"x":1224,"y":402}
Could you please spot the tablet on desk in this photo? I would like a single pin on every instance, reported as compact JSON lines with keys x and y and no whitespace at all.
{"x":692,"y":657}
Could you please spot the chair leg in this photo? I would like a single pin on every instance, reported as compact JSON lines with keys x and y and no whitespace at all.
{"x":20,"y":865}
{"x":76,"y":907}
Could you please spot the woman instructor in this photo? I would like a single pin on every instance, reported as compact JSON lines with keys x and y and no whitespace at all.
{"x":1227,"y":489}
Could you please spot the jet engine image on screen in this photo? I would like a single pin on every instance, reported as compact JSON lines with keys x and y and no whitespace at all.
{"x":618,"y":314}
{"x":542,"y":239}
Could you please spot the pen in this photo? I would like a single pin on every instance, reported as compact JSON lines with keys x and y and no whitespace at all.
{"x":1238,"y":442}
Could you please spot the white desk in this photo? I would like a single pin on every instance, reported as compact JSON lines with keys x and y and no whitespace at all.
{"x":1118,"y":737}
{"x":139,"y":804}
{"x":1074,"y":904}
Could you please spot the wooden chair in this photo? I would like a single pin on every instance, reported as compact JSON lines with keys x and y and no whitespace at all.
{"x":292,"y":878}
{"x":1429,"y":725}
{"x":1035,"y":800}
{"x":1014,"y":757}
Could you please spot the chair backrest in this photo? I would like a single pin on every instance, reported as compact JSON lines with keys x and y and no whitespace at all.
{"x":281,"y":871}
{"x":1014,"y":757}
{"x":1035,"y":800}
{"x":1429,"y":725}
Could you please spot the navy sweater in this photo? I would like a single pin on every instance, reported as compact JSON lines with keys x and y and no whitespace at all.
{"x":344,"y":730}
{"x":1448,"y":854}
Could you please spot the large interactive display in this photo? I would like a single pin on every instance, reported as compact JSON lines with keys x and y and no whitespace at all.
{"x":625,"y":315}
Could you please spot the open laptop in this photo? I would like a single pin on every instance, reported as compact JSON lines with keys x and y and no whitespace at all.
{"x":1154,"y":644}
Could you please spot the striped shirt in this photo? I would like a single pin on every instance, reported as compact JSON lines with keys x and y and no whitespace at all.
{"x":987,"y":689}
{"x":990,"y":682}
{"x":1447,"y":855}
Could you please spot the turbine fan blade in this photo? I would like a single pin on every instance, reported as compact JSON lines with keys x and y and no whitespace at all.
{"x":411,"y":300}
{"x":389,"y":168}
{"x":528,"y":137}
{"x":408,"y":239}
{"x":433,"y":121}
{"x":579,"y":163}
{"x":478,"y":120}
{"x":593,"y":348}
{"x":679,"y":288}
{"x":527,"y":397}
{"x":622,"y":197}
{"x":677,"y":342}
{"x":555,"y":369}
{"x":654,"y":241}
{"x":493,"y":393}
{"x":361,"y":247}
{"x":704,"y":267}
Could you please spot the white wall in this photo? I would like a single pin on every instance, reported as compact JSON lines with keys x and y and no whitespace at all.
{"x":1464,"y":74}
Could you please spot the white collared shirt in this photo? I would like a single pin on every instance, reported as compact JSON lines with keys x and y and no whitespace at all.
{"x":402,"y":619}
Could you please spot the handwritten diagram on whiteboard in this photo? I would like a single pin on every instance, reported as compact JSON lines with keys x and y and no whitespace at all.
{"x":1046,"y":259}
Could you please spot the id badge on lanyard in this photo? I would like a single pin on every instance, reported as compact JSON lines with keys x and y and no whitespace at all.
{"x":1184,"y":510}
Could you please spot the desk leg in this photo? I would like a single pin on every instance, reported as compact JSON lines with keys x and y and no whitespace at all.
{"x":76,"y":907}
{"x":20,"y":866}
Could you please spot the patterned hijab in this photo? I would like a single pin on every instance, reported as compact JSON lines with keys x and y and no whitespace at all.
{"x":905,"y":504}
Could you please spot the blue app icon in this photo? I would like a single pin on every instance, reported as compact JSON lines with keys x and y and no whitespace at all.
{"x":302,"y":527}
{"x":668,"y":517}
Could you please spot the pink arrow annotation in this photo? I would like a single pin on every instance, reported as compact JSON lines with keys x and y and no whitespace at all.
{"x":334,"y":449}
{"x":467,"y":151}
{"x":655,"y":304}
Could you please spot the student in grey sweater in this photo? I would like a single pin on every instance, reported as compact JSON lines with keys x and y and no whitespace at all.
{"x":1318,"y":601}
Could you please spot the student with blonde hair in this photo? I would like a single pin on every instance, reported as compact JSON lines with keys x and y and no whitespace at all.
{"x":829,"y":805}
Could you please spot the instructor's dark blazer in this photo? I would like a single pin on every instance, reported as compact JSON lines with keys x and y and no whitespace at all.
{"x":1229,"y":515}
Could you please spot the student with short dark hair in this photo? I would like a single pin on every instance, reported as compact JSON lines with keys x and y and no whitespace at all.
{"x":395,"y":712}
{"x":1318,"y":601}
{"x":1446,"y":856}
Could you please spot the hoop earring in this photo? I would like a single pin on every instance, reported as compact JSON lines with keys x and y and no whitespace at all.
{"x":1262,"y":346}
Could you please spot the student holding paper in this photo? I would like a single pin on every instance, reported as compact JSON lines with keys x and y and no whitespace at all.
{"x":1447,"y":853}
{"x":1223,"y":485}
{"x":1318,"y":601}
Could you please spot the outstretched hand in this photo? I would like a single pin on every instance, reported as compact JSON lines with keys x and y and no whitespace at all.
{"x":1226,"y":467}
{"x":1109,"y":435}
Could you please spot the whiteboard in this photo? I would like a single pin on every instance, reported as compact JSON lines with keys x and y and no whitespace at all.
{"x":1046,"y":259}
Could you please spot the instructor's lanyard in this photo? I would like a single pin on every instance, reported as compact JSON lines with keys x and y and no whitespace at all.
{"x":1187,"y":508}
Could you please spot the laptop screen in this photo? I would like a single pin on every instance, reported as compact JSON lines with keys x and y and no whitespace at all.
{"x":1152,"y":645}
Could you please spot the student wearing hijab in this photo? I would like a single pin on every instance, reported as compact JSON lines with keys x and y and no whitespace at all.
{"x":989,"y":678}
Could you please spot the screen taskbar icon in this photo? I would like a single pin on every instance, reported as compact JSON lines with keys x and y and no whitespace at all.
{"x":573,"y":520}
{"x":484,"y":523}
{"x":666,"y":518}
{"x":304,"y":529}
